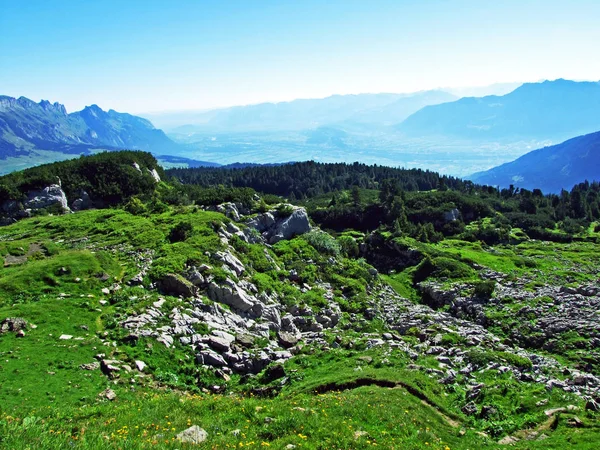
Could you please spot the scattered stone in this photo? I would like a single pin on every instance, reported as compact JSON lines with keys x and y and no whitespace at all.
{"x":193,"y":435}
{"x":575,"y":422}
{"x":470,"y":409}
{"x":108,"y":394}
{"x":359,"y":433}
{"x":508,"y":440}
{"x":12,"y":324}
{"x":286,"y":339}
{"x":274,"y":372}
{"x":592,"y":405}
{"x":90,"y":366}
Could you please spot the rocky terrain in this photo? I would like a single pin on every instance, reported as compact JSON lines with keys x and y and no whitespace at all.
{"x":243,"y":322}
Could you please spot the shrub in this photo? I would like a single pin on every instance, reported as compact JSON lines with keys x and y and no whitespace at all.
{"x":441,"y":267}
{"x":484,"y":289}
{"x":135,"y":206}
{"x":180,"y":232}
{"x":348,"y":245}
{"x":323,"y":242}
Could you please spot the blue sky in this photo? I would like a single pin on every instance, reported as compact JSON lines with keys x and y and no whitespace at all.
{"x":141,"y":56}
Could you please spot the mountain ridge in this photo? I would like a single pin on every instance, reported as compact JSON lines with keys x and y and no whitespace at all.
{"x":549,"y":168}
{"x":26,"y":126}
{"x":557,"y":109}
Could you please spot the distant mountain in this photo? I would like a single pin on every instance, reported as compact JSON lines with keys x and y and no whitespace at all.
{"x":482,"y":91}
{"x":374,"y":109}
{"x":551,"y":168}
{"x":26,"y":127}
{"x":554,"y":110}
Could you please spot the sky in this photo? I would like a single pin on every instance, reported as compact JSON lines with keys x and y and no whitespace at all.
{"x":158,"y":55}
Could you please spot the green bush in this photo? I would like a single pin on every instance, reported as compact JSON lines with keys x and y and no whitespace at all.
{"x":484,"y":289}
{"x":323,"y":242}
{"x":181,"y":232}
{"x":441,"y":267}
{"x":348,"y":246}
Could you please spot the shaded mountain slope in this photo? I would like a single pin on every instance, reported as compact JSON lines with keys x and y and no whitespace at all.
{"x":551,"y":168}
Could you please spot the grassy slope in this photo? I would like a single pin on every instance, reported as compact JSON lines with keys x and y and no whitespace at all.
{"x":66,"y":411}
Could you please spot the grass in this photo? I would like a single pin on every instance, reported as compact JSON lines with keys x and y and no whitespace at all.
{"x":48,"y":402}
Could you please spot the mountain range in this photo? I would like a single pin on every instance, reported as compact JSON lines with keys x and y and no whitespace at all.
{"x":551,"y":168}
{"x":555,"y":110}
{"x":373,"y":109}
{"x":27,"y":126}
{"x":429,"y":129}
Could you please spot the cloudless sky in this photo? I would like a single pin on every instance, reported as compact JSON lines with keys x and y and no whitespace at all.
{"x":153,"y":55}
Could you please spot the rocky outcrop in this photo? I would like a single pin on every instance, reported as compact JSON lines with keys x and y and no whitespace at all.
{"x":154,"y":174}
{"x":83,"y":201}
{"x":13,"y":324}
{"x":275,"y":227}
{"x":231,"y":294}
{"x":49,"y":197}
{"x":176,"y":285}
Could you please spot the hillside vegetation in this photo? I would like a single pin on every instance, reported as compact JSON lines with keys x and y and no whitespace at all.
{"x":208,"y":310}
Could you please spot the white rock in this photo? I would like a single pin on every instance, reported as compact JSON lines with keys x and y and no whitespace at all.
{"x":193,"y":435}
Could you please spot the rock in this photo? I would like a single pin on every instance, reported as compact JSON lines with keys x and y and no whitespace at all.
{"x":210,"y":358}
{"x":274,"y":372}
{"x":508,"y":440}
{"x":165,"y":339}
{"x":552,"y":412}
{"x":470,"y":409}
{"x":154,"y":174}
{"x":231,"y":261}
{"x":296,"y":224}
{"x":230,"y":210}
{"x":108,"y":394}
{"x":176,"y":285}
{"x":65,"y":337}
{"x":280,"y":228}
{"x":487,"y":411}
{"x":140,"y":365}
{"x":452,"y":215}
{"x":110,"y":367}
{"x":90,"y":366}
{"x":244,"y":339}
{"x":13,"y":324}
{"x":592,"y":405}
{"x":219,"y":344}
{"x":83,"y":202}
{"x":193,"y":435}
{"x":575,"y":422}
{"x":262,"y":222}
{"x":20,"y":334}
{"x":287,"y":339}
{"x":50,"y":196}
{"x":231,"y":294}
